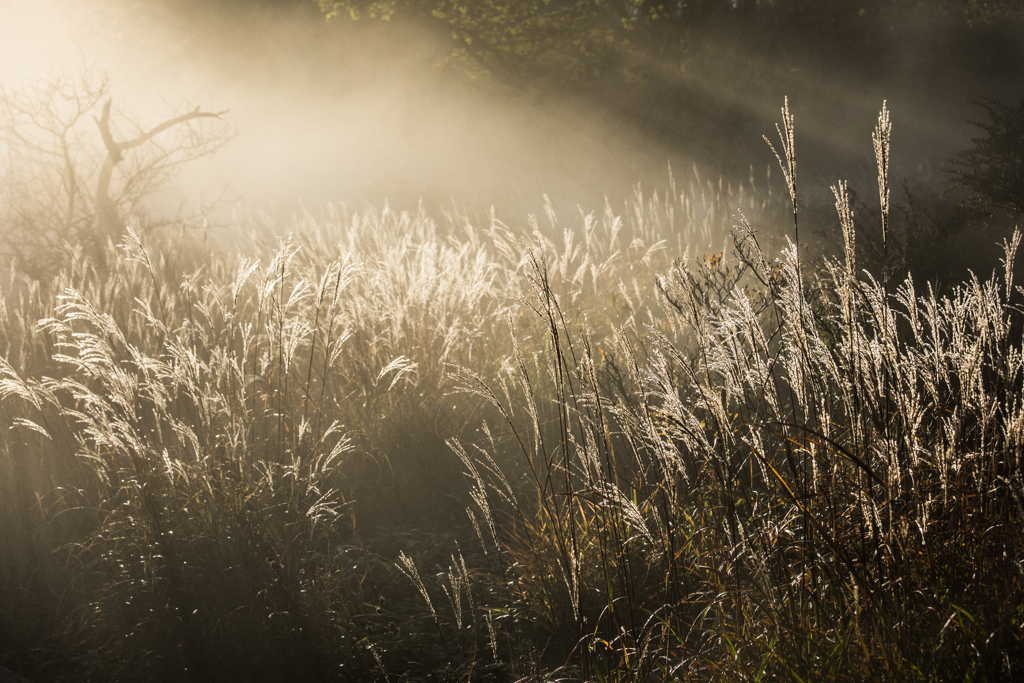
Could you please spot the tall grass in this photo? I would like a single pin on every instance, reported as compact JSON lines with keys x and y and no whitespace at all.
{"x":815,"y":475}
{"x":682,"y":463}
{"x":207,"y":458}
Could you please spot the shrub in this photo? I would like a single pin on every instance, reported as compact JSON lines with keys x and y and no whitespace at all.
{"x":991,"y":174}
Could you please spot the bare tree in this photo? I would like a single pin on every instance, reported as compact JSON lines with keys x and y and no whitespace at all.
{"x":75,"y":164}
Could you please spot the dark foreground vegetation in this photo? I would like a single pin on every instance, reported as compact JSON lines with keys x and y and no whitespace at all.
{"x":388,"y":450}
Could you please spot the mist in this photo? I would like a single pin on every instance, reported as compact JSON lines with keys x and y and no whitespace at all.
{"x":360,"y":112}
{"x":339,"y":112}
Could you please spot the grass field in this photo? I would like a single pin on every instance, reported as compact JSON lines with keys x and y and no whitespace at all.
{"x":666,"y":440}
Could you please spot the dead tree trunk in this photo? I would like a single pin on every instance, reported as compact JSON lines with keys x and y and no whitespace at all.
{"x":109,"y":224}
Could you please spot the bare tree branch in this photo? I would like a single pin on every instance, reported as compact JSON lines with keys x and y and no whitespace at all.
{"x":52,"y":156}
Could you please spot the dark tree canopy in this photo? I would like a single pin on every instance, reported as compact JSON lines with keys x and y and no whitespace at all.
{"x":574,"y":39}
